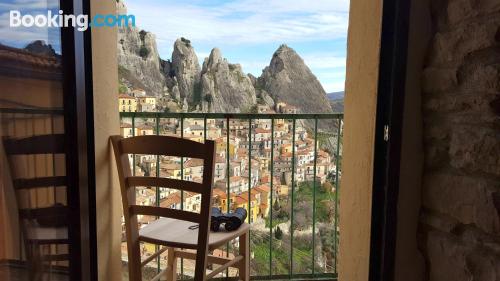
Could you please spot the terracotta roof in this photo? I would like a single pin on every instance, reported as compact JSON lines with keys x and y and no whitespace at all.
{"x":304,"y":152}
{"x":235,"y":178}
{"x":144,"y":127}
{"x":262,"y":188}
{"x":262,"y":131}
{"x":21,"y":61}
{"x":174,"y":198}
{"x":240,"y":200}
{"x":124,"y":96}
{"x":193,"y":162}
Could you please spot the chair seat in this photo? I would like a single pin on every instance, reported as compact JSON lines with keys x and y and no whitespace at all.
{"x":177,"y":233}
{"x":47,"y":235}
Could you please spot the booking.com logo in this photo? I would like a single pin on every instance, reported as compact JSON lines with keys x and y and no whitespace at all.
{"x":81,"y":22}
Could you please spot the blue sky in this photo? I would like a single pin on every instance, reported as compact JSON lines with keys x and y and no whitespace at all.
{"x":21,"y":36}
{"x":249,"y":31}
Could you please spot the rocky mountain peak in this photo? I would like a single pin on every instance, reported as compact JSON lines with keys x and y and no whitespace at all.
{"x":39,"y":47}
{"x":288,"y":79}
{"x":182,"y":47}
{"x":186,"y":68}
{"x":219,"y":86}
{"x":121,"y":8}
{"x":284,"y":48}
{"x":224,"y":86}
{"x":215,"y":57}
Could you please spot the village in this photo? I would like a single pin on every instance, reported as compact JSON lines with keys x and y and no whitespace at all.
{"x":242,"y":176}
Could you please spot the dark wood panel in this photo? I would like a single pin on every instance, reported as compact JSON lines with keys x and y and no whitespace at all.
{"x":44,"y":144}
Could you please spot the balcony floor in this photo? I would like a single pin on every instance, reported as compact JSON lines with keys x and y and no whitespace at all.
{"x":18,"y":273}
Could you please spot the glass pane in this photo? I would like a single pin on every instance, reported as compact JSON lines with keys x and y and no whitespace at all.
{"x":34,"y":219}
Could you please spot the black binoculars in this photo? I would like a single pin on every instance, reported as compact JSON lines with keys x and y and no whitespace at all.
{"x":230,"y":221}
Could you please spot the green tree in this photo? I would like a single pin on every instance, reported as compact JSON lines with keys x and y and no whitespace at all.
{"x":122,"y":89}
{"x":278,"y":233}
{"x":276,"y":205}
{"x":327,"y":187}
{"x":143,"y":52}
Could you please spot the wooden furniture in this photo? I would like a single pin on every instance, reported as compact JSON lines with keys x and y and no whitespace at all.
{"x":174,"y":230}
{"x":33,"y":220}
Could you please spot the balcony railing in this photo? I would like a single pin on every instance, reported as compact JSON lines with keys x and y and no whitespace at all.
{"x":283,"y":168}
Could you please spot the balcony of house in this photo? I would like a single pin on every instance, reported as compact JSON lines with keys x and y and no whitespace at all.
{"x":283,"y":169}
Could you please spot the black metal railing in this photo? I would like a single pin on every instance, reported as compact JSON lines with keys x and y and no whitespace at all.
{"x":295,"y":233}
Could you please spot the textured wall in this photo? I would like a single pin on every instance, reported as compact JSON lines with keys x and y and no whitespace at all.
{"x":363,"y":54}
{"x":459,"y":231}
{"x":106,"y":123}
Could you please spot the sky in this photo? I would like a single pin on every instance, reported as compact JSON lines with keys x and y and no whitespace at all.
{"x":21,"y":36}
{"x":246,"y":31}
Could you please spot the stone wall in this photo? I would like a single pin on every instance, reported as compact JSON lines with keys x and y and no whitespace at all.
{"x":459,"y":230}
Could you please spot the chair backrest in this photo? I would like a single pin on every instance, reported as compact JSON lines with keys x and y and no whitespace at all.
{"x":163,"y":146}
{"x":37,"y":145}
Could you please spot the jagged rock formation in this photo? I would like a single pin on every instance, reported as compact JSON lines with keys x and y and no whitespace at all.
{"x":137,"y":53}
{"x":218,"y":86}
{"x":288,"y":79}
{"x":186,"y":69}
{"x":263,"y":97}
{"x":225,"y":87}
{"x":39,"y":47}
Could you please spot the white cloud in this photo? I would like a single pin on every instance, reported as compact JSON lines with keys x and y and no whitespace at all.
{"x":245,"y":22}
{"x":28,"y":5}
{"x":280,"y":6}
{"x":324,"y":61}
{"x":331,"y":75}
{"x":334,"y":86}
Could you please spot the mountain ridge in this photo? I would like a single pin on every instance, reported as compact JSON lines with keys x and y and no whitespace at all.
{"x":217,"y":86}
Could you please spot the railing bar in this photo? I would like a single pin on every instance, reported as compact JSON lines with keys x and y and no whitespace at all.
{"x":337,"y":157}
{"x":294,"y":121}
{"x":314,"y":196}
{"x":227,"y":181}
{"x":249,"y":169}
{"x":271,"y":203}
{"x":133,"y":155}
{"x":205,"y":137}
{"x":298,"y":277}
{"x":232,"y":115}
{"x":157,"y":190}
{"x":249,"y":176}
{"x":182,"y":192}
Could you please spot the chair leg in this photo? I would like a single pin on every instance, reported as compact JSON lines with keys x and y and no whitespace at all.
{"x":35,"y":263}
{"x":171,"y":265}
{"x":244,"y":266}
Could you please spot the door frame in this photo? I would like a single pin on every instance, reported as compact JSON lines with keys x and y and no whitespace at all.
{"x":79,"y":128}
{"x":388,"y":135}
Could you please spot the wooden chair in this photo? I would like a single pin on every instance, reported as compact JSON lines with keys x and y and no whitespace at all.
{"x":174,"y":230}
{"x":35,"y":234}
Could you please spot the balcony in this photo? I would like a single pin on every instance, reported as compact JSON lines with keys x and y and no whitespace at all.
{"x":284,"y":169}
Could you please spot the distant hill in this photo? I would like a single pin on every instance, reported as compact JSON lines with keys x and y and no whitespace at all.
{"x":335,"y":95}
{"x":336,"y":101}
